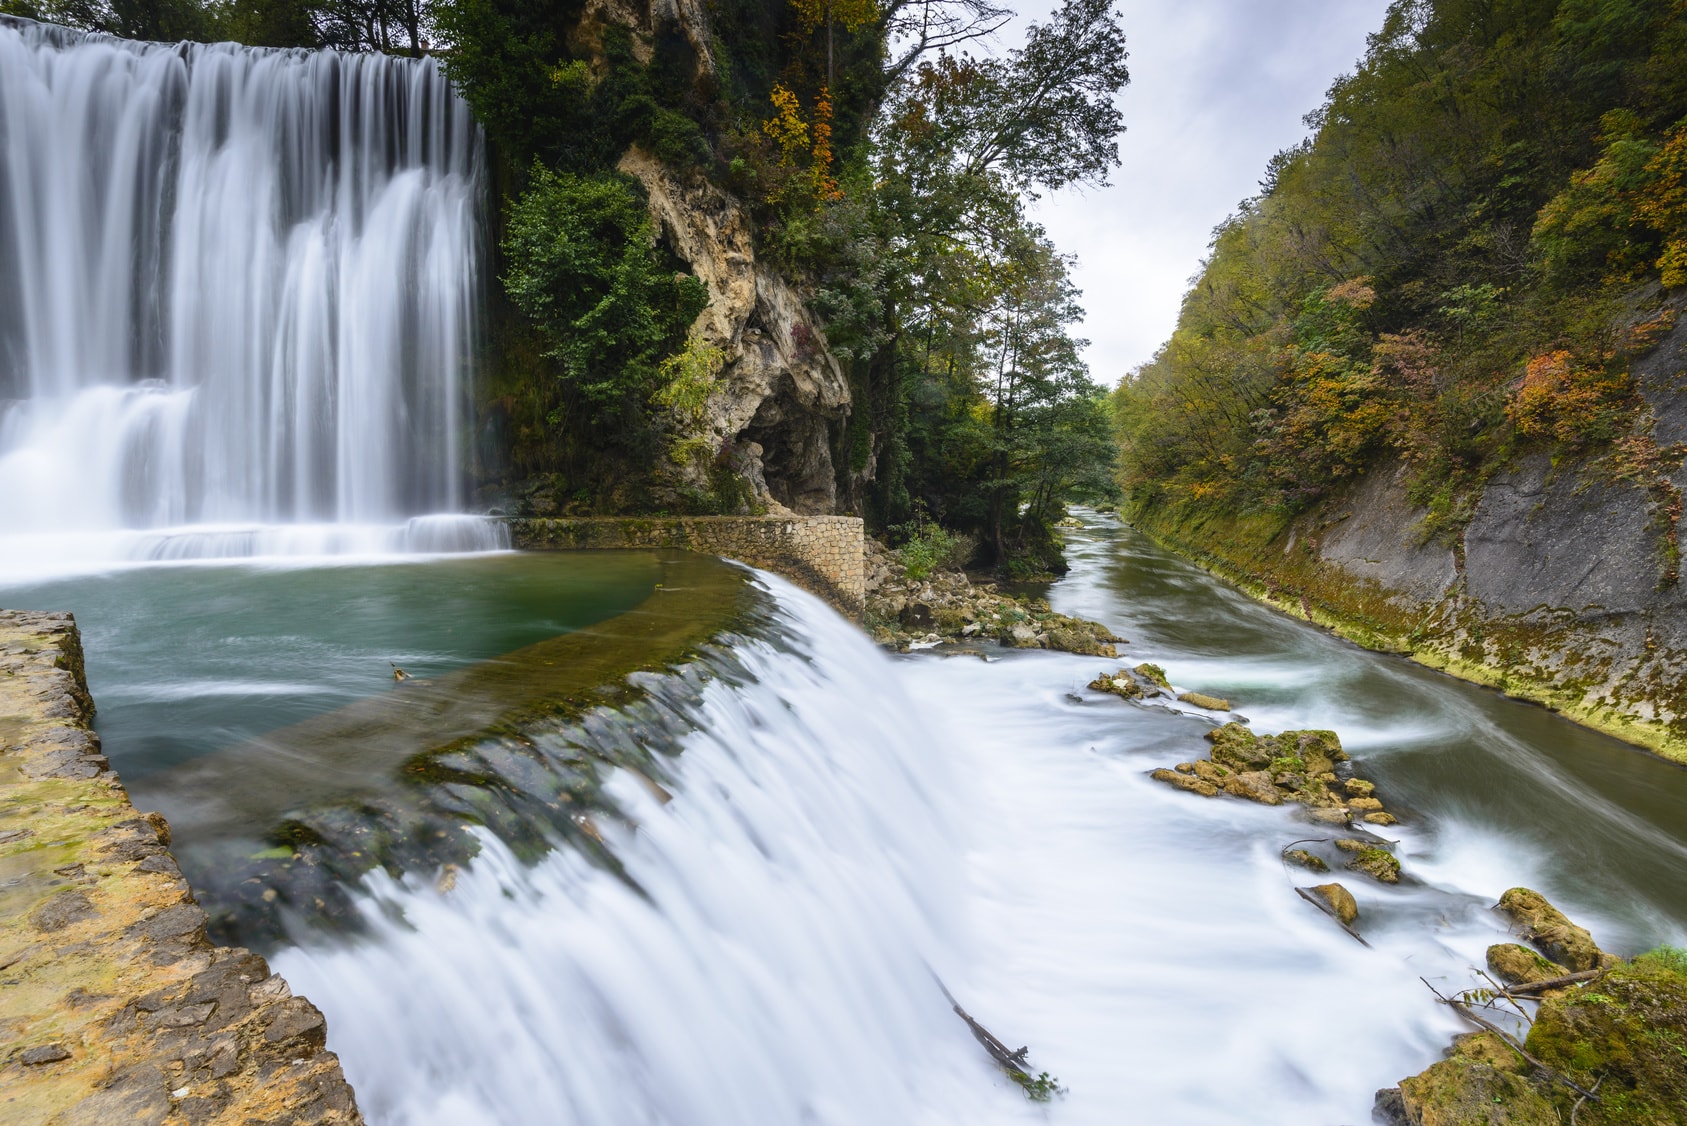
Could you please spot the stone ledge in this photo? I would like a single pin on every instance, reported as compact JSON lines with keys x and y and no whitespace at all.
{"x":114,"y":1005}
{"x":825,"y":555}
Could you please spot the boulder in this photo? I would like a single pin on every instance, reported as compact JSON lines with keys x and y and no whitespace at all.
{"x":1201,"y":700}
{"x":1539,"y":922}
{"x":1339,"y":901}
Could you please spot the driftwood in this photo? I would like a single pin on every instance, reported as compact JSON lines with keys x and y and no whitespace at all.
{"x":1014,"y":1063}
{"x":1553,"y":982}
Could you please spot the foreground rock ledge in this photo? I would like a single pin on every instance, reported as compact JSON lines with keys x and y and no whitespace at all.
{"x":114,"y":1006}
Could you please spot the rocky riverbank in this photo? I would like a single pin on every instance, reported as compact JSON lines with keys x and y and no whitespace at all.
{"x":1602,"y":1041}
{"x":116,"y":1006}
{"x":921,"y":611}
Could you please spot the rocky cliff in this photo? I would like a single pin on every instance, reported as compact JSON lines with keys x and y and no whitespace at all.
{"x":780,"y":387}
{"x":1563,"y":587}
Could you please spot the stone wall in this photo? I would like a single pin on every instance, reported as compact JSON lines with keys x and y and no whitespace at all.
{"x":825,"y":555}
{"x":114,"y":1006}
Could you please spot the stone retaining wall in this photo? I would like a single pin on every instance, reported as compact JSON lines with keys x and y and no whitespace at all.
{"x":114,"y":1006}
{"x":822,"y":554}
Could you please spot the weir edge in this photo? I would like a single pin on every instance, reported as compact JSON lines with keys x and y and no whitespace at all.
{"x":116,"y":1006}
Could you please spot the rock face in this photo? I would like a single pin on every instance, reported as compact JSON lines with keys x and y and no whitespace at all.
{"x":117,"y":1008}
{"x":1563,"y":588}
{"x":781,"y":388}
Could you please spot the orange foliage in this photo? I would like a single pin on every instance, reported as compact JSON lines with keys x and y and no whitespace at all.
{"x":1560,"y":399}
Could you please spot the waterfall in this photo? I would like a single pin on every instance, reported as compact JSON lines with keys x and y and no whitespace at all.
{"x":238,"y":290}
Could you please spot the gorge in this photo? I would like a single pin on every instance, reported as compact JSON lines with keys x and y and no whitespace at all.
{"x":643,"y":834}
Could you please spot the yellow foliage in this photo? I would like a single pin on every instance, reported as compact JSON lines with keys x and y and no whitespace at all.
{"x":787,"y":127}
{"x":1563,"y":400}
{"x":853,"y":14}
{"x":1664,"y":205}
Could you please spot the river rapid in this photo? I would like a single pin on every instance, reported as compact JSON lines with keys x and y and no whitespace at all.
{"x":848,"y":828}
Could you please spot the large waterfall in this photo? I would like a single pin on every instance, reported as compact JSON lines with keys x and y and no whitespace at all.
{"x":238,"y":296}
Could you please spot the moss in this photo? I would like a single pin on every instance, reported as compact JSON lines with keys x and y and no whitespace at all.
{"x":1626,"y":1030}
{"x":1154,"y":674}
{"x":1379,"y":864}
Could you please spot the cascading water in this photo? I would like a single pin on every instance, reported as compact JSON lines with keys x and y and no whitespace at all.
{"x":238,"y":290}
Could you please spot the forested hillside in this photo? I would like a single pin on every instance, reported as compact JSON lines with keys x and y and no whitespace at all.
{"x":1487,"y":225}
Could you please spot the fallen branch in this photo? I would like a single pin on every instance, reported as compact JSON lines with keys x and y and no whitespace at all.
{"x":1041,"y":1087}
{"x":1553,"y":982}
{"x":1577,"y":1109}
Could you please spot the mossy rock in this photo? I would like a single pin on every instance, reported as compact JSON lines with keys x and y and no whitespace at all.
{"x":1544,"y":925}
{"x":1121,"y":684}
{"x":1306,"y":860}
{"x":1239,"y":748}
{"x":1202,"y":700}
{"x":1377,"y":863}
{"x":1382,"y":817}
{"x":1359,"y":788}
{"x":1187,"y":782}
{"x":1626,"y":1028}
{"x":1080,"y":641}
{"x":1476,"y":1086}
{"x":1516,"y":964}
{"x":1154,"y":675}
{"x":1254,"y":785}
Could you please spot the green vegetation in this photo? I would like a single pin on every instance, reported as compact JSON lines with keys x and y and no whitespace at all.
{"x":583,"y":265}
{"x":1448,"y":269}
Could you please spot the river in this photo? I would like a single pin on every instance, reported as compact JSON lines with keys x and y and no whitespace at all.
{"x":848,"y":827}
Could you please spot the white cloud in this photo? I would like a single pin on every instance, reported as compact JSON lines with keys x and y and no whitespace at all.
{"x":1217,"y":87}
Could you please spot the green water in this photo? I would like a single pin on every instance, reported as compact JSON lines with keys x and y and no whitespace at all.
{"x":187,"y":660}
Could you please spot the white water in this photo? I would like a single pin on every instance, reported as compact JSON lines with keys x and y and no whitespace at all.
{"x":238,"y":289}
{"x":842,"y":823}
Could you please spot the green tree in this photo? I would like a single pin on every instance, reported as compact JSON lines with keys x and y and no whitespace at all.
{"x":583,"y":264}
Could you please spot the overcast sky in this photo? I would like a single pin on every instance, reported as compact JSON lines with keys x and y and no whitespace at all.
{"x":1217,"y":87}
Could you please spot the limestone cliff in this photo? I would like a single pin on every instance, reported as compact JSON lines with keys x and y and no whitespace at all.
{"x":781,"y":388}
{"x":1563,"y":587}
